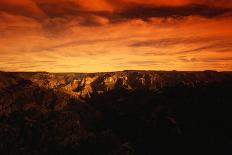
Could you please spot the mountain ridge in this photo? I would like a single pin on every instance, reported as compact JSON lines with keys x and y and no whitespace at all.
{"x":83,"y":85}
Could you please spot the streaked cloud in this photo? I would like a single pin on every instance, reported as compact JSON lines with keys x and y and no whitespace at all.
{"x":106,"y":35}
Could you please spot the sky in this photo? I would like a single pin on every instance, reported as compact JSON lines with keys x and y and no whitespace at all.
{"x":114,"y":35}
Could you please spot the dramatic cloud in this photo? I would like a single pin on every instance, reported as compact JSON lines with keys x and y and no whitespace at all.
{"x":146,"y":12}
{"x":106,"y":35}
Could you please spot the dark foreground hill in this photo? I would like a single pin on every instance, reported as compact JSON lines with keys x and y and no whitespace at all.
{"x":117,"y":113}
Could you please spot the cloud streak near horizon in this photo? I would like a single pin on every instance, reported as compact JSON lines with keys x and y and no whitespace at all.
{"x":107,"y":35}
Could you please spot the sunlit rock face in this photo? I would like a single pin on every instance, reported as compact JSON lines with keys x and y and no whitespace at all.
{"x":28,"y":90}
{"x":43,"y":90}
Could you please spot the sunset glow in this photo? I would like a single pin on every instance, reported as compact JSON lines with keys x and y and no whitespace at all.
{"x":112,"y":35}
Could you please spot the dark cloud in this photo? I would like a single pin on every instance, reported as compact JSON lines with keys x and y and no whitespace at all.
{"x":164,"y":42}
{"x":203,"y":60}
{"x":145,"y":12}
{"x":186,"y":59}
{"x":219,"y":47}
{"x":26,"y":8}
{"x":60,"y":9}
{"x":65,"y":11}
{"x":213,"y":44}
{"x":68,"y":11}
{"x":217,"y":59}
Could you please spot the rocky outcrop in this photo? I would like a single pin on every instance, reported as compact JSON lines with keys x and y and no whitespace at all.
{"x":84,"y":85}
{"x":33,"y":89}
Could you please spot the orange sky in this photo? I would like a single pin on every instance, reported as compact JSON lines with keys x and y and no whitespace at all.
{"x":110,"y":35}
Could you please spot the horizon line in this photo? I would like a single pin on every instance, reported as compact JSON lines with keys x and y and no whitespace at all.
{"x":116,"y":71}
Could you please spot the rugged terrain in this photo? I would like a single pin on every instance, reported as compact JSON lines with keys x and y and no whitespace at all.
{"x":116,"y":113}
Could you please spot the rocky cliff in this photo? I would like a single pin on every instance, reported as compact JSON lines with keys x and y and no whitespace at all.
{"x":116,"y":113}
{"x":84,"y":85}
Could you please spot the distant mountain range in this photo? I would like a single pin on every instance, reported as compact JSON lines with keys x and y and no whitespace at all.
{"x":83,"y":85}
